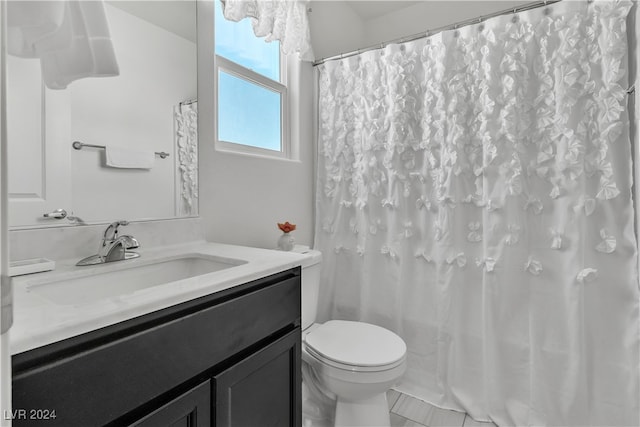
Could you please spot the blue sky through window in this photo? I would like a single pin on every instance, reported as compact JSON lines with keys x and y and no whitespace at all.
{"x":236,"y":42}
{"x":248,"y":114}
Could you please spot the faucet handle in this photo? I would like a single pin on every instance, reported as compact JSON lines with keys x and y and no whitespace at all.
{"x":112,"y":230}
{"x":116,"y":224}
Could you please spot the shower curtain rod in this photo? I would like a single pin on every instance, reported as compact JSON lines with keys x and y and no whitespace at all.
{"x":437,"y":30}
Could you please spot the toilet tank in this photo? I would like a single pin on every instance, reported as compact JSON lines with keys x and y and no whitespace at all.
{"x":310,"y":285}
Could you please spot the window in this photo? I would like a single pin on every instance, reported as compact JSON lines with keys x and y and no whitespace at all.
{"x":251,"y":90}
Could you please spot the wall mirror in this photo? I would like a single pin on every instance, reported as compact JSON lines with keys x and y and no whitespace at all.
{"x":151,"y":105}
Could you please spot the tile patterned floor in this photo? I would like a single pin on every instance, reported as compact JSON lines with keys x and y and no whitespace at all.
{"x":404,"y":411}
{"x":407,"y":411}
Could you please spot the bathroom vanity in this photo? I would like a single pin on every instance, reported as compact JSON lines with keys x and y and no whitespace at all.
{"x":226,"y":358}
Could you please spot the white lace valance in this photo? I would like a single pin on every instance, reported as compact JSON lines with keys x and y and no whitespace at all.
{"x":283,"y":20}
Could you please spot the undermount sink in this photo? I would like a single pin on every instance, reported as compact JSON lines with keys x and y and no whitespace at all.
{"x":129,"y":279}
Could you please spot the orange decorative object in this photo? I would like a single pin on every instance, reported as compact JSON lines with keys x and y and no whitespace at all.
{"x":286,"y":227}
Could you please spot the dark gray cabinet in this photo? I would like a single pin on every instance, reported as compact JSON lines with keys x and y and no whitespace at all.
{"x":160,"y":369}
{"x":263,"y":389}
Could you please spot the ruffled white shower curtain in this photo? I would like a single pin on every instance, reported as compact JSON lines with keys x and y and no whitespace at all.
{"x":185,"y":117}
{"x":474,"y":196}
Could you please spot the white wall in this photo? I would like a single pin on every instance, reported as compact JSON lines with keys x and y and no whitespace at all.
{"x":335,"y":28}
{"x":429,"y":15}
{"x":243,"y":197}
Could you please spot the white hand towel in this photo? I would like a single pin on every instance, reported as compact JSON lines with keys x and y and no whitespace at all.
{"x":125,"y":158}
{"x":70,"y":46}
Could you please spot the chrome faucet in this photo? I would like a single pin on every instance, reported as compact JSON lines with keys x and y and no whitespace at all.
{"x":113,"y":247}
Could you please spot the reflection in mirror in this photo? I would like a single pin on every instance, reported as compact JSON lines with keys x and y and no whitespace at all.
{"x":150,"y":107}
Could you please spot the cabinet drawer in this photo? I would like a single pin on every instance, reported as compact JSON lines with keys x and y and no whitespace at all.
{"x":102,"y":383}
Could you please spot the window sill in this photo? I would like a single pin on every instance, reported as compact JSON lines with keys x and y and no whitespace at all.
{"x":258,"y":156}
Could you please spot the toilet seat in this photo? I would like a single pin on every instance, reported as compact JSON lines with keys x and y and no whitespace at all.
{"x":355,"y":346}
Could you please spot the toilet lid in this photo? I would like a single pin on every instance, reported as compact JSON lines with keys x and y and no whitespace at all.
{"x":356,"y":343}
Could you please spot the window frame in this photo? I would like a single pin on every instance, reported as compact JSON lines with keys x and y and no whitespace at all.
{"x":239,"y":71}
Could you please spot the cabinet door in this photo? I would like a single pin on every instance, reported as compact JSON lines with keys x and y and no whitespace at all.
{"x":191,"y":409}
{"x":262,"y":390}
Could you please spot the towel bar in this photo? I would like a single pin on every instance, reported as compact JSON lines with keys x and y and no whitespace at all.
{"x":78,"y":146}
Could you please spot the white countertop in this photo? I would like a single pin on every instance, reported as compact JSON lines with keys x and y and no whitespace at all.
{"x":39,"y":321}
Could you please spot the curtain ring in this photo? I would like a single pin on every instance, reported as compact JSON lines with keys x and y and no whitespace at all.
{"x":456,"y":33}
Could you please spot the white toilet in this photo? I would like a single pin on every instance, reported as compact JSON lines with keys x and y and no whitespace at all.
{"x":356,"y":362}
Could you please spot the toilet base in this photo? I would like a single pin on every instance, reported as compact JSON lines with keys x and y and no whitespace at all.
{"x":371,"y":412}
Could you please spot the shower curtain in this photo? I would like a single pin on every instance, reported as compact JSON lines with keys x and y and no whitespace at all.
{"x":474,"y":196}
{"x":185,"y":118}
